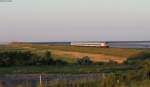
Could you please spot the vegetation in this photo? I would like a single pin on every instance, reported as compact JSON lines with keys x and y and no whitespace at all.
{"x":136,"y":59}
{"x":134,"y":72}
{"x":130,"y":78}
{"x":22,"y":58}
{"x":107,"y":51}
{"x":120,"y":52}
{"x":84,"y":61}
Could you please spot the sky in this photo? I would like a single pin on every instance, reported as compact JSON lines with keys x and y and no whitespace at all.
{"x":74,"y":20}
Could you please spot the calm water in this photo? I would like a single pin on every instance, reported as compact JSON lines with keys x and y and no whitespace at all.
{"x":114,"y":44}
{"x":123,"y":44}
{"x":130,"y":44}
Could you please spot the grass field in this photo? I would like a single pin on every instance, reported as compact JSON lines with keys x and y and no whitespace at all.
{"x":127,"y":74}
{"x":120,"y":52}
{"x":67,"y":69}
{"x":61,"y":52}
{"x":94,"y":57}
{"x":96,"y":83}
{"x":106,"y":51}
{"x":71,"y":53}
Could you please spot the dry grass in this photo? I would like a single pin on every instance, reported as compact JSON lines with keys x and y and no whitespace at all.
{"x":96,"y":54}
{"x":94,"y":57}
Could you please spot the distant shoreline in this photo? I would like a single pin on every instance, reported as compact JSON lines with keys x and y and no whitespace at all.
{"x":112,"y":44}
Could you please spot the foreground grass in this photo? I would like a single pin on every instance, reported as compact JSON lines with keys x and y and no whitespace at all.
{"x":99,"y":83}
{"x":79,"y":83}
{"x":67,"y":69}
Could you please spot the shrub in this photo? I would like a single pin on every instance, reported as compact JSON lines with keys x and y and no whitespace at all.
{"x":60,"y":62}
{"x":20,"y":58}
{"x":8,"y":58}
{"x":84,"y":61}
{"x":136,"y":59}
{"x":15,"y":58}
{"x":44,"y":59}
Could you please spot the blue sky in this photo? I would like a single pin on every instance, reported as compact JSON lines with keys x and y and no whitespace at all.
{"x":74,"y":20}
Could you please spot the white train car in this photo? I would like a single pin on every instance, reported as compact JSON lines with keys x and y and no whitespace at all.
{"x":90,"y":44}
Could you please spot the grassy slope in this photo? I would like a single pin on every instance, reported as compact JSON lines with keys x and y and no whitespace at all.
{"x":76,"y":69}
{"x":112,"y":52}
{"x":107,"y":51}
{"x":120,"y":52}
{"x":67,"y":69}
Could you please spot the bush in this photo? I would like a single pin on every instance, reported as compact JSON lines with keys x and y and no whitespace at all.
{"x":145,"y":70}
{"x":44,"y":59}
{"x":20,"y":58}
{"x":15,"y":58}
{"x":84,"y":61}
{"x":60,"y":62}
{"x":136,"y":59}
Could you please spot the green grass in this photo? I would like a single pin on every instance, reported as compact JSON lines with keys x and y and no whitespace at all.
{"x":145,"y":83}
{"x":64,"y":58}
{"x":121,"y":52}
{"x":48,"y":69}
{"x":77,"y":69}
{"x":66,"y":69}
{"x":98,"y":83}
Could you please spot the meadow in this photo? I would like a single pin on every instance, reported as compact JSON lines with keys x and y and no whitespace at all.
{"x":72,"y":53}
{"x":44,"y":59}
{"x":120,"y":52}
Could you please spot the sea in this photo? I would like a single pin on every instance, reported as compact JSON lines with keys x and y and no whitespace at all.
{"x":129,"y":44}
{"x":113,"y":44}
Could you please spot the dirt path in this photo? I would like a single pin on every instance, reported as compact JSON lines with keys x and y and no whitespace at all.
{"x":94,"y":57}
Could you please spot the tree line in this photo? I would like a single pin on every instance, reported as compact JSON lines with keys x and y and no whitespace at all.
{"x":20,"y":58}
{"x":25,"y":57}
{"x":141,"y":60}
